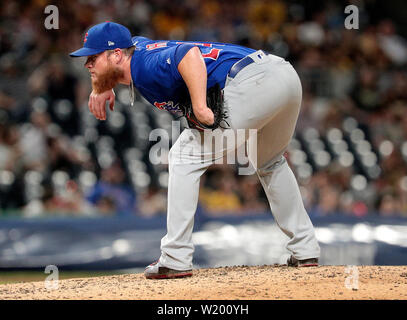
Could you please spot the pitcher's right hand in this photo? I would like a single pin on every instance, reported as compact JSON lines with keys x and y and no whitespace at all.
{"x":97,"y":103}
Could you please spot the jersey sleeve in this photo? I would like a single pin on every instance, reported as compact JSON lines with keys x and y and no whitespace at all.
{"x":162,"y":65}
{"x":180,"y":51}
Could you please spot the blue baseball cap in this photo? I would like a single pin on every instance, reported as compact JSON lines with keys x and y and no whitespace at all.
{"x":104,"y":36}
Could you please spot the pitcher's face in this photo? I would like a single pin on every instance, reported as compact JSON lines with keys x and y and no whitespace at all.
{"x":104,"y":74}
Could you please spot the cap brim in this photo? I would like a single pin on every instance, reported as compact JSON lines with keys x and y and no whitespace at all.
{"x":84,"y":52}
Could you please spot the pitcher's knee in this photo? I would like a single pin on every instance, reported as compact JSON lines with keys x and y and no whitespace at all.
{"x":270,"y":166}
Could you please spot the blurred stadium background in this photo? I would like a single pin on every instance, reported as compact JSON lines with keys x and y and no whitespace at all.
{"x":82,"y":194}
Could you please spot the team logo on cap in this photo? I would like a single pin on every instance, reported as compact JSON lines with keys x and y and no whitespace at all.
{"x":110,"y":43}
{"x":85,"y":38}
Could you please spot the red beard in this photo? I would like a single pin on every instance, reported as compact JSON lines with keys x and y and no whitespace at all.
{"x":107,"y":80}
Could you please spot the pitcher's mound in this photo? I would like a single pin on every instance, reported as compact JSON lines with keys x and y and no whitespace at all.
{"x":231,"y":283}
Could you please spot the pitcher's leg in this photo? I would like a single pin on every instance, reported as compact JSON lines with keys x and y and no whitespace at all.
{"x":185,"y":169}
{"x":286,"y":204}
{"x":189,"y":158}
{"x":277,"y":179}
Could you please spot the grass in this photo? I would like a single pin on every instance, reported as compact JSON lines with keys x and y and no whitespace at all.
{"x":32,"y":276}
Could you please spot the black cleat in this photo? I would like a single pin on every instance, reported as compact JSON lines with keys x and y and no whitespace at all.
{"x":156,"y":271}
{"x":311,"y":262}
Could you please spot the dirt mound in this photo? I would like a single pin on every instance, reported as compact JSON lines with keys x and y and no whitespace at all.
{"x":231,"y":283}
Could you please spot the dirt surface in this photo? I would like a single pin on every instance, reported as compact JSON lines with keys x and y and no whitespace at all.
{"x":230,"y":283}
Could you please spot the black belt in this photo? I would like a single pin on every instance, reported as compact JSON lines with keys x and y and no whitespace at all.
{"x":238,"y":66}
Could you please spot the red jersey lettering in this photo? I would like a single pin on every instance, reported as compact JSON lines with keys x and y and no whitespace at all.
{"x":160,"y":105}
{"x":213,"y":54}
{"x":156,"y":45}
{"x":197,"y":44}
{"x":169,"y":106}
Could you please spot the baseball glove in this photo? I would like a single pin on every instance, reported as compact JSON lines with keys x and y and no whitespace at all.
{"x":214,"y":101}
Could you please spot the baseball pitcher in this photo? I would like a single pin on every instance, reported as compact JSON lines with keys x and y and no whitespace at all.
{"x":216,"y":86}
